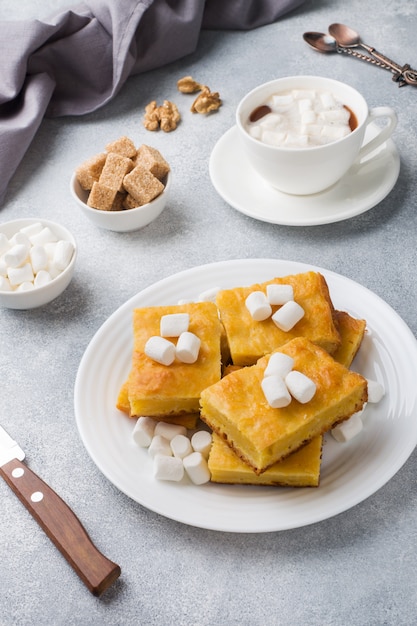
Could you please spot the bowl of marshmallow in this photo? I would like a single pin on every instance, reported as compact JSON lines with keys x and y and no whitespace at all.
{"x":37,"y":260}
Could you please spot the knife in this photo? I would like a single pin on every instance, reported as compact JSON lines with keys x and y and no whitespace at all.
{"x":56,"y":518}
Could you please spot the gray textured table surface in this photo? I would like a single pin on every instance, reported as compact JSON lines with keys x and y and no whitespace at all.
{"x":357,"y":568}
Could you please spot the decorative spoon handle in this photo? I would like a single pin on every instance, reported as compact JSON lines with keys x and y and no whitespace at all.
{"x":364,"y":57}
{"x":402,"y":73}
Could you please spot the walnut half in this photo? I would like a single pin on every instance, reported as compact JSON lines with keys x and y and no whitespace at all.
{"x":188,"y":85}
{"x":206,"y":102}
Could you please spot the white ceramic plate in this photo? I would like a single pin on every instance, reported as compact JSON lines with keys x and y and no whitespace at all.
{"x":350,"y":472}
{"x":358,"y":191}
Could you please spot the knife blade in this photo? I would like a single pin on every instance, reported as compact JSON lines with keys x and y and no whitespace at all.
{"x":56,"y":518}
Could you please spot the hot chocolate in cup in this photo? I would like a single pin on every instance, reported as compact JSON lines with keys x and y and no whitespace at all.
{"x":308,"y":169}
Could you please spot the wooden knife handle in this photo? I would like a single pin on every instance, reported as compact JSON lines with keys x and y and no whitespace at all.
{"x":62,"y":526}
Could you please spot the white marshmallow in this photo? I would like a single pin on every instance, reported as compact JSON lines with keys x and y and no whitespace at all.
{"x":3,"y":267}
{"x":375,"y":391}
{"x":288,"y":315}
{"x":159,"y":446}
{"x":201,"y":442}
{"x":5,"y":284}
{"x":279,"y":364}
{"x":53,"y":270}
{"x":38,"y":258}
{"x":4,"y":243}
{"x":181,"y":446}
{"x":327,"y":100}
{"x":300,"y":386}
{"x":62,"y":254}
{"x":169,"y":431}
{"x":143,"y":431}
{"x":43,"y":277}
{"x":160,"y":350}
{"x":31,"y":229}
{"x":282,"y":100}
{"x":308,"y":117}
{"x":271,"y":121}
{"x":18,"y":275}
{"x":279,"y":294}
{"x":276,"y":392}
{"x":255,"y":132}
{"x":339,"y":115}
{"x":174,"y":324}
{"x":16,"y":256}
{"x":305,"y":104}
{"x":312,"y":130}
{"x":43,"y":236}
{"x":25,"y":286}
{"x":273,"y":138}
{"x":20,"y":238}
{"x":298,"y":141}
{"x":209,"y":295}
{"x":332,"y":133}
{"x":188,"y":347}
{"x":168,"y":468}
{"x":50,"y":249}
{"x":197,"y":469}
{"x":258,"y":306}
{"x":348,"y":429}
{"x":185,"y":301}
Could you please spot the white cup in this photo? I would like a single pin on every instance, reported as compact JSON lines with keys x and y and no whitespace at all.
{"x":308,"y":170}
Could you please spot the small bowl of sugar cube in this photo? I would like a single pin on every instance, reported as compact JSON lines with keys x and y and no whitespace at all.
{"x":37,"y":260}
{"x":123,"y":188}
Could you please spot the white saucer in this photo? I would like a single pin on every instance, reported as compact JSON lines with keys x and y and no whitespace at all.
{"x":358,"y":191}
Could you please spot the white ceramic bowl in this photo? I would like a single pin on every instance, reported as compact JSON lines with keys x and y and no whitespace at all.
{"x":41,"y":295}
{"x":121,"y":221}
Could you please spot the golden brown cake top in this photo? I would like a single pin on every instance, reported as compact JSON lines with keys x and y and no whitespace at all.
{"x":149,"y":378}
{"x":250,"y":339}
{"x":237,"y":402}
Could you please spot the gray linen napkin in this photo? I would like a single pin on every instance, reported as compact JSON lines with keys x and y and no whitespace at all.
{"x":76,"y":61}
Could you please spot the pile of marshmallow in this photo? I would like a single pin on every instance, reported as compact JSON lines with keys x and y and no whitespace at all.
{"x":260,"y":304}
{"x":174,"y":454}
{"x":281,"y":382}
{"x":160,"y":349}
{"x":302,"y":118}
{"x":32,"y":257}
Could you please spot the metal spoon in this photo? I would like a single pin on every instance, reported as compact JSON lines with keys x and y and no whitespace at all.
{"x":327,"y":43}
{"x":347,"y":38}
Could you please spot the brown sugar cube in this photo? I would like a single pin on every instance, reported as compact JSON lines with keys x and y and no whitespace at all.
{"x":142,"y":185}
{"x":153,"y":160}
{"x":89,"y":172}
{"x":123,"y":146}
{"x":115,"y":169}
{"x":118,"y":204}
{"x":101,"y":197}
{"x":129,"y":202}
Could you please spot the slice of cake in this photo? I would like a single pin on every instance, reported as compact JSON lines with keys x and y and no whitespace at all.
{"x":351,"y":331}
{"x":188,"y":420}
{"x":300,"y":469}
{"x":236,"y":408}
{"x":249,"y":339}
{"x":158,"y":390}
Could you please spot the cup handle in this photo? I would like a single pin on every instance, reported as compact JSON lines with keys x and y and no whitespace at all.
{"x":384,"y":134}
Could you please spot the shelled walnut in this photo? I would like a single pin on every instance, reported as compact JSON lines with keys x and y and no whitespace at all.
{"x":165,"y":116}
{"x":206,"y":102}
{"x":188,"y":85}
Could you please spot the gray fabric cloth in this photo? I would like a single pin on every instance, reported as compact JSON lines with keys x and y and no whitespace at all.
{"x":76,"y":61}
